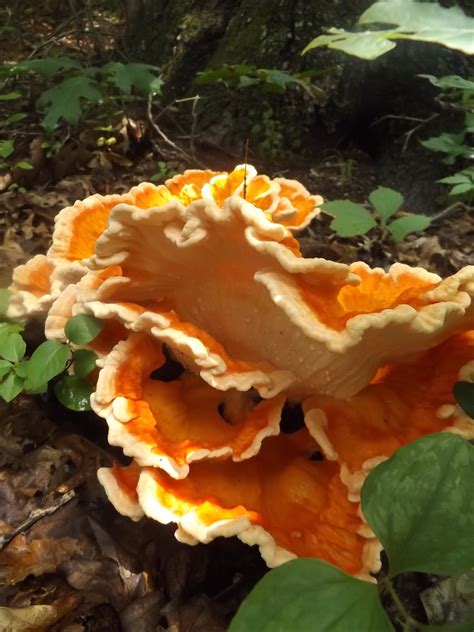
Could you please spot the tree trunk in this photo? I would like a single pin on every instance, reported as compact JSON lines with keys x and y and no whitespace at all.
{"x":186,"y":37}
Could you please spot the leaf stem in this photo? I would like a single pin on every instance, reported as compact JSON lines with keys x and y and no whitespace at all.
{"x":409,"y":623}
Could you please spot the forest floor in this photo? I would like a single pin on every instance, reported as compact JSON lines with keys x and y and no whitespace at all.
{"x":61,"y":543}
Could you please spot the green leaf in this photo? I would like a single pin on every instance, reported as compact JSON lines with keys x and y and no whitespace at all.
{"x":13,"y":348}
{"x":23,"y":164}
{"x":464,"y":187}
{"x":9,"y":328}
{"x":464,"y":395}
{"x":22,"y":370}
{"x":6,"y":148}
{"x":142,"y":77}
{"x":350,"y":218}
{"x":47,"y":67}
{"x":84,"y":362}
{"x":307,"y":595}
{"x":366,"y":45}
{"x":457,"y":178}
{"x":66,"y":99}
{"x":424,"y":22}
{"x":11,"y":386}
{"x":386,"y":202}
{"x":450,"y":82}
{"x":5,"y":296}
{"x":74,"y":393}
{"x":419,"y":504}
{"x":83,"y":328}
{"x":15,"y":118}
{"x":47,"y":361}
{"x":10,"y":96}
{"x":420,"y":21}
{"x":5,"y":367}
{"x":402,"y":226}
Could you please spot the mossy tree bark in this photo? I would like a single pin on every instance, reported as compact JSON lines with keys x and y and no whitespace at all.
{"x":186,"y":37}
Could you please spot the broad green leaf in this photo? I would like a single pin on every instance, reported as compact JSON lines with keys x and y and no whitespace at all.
{"x":22,"y":370}
{"x":307,"y":595}
{"x":74,"y":393}
{"x":84,"y":362}
{"x":142,"y":77}
{"x":424,"y":22}
{"x":9,"y":328}
{"x":10,"y":96}
{"x":13,"y":348}
{"x":66,"y":99}
{"x":83,"y":328}
{"x":47,"y":67}
{"x":24,"y":164}
{"x":278,"y":79}
{"x":11,"y":386}
{"x":446,"y":143}
{"x":464,"y":395}
{"x":350,"y":218}
{"x":460,"y":189}
{"x":450,"y":82}
{"x":420,"y":505}
{"x":457,"y":178}
{"x":366,"y":45}
{"x":6,"y":148}
{"x":4,"y":300}
{"x":5,"y":367}
{"x":420,"y":21}
{"x":386,"y":202}
{"x":15,"y":118}
{"x":47,"y":361}
{"x":402,"y":226}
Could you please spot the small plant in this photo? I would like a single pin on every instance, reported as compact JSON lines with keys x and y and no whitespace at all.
{"x":417,"y":503}
{"x":163,"y":173}
{"x":269,"y":80}
{"x":77,"y":87}
{"x":21,"y":374}
{"x":351,"y":219}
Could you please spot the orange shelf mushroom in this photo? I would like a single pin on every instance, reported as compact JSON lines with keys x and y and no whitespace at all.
{"x":208,"y":265}
{"x":78,"y":227}
{"x":306,"y":325}
{"x":281,"y":500}
{"x":169,"y":424}
{"x":404,"y":402}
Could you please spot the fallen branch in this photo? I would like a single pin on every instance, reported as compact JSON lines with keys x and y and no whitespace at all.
{"x":36,"y":515}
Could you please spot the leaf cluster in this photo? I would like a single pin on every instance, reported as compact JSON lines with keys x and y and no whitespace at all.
{"x":77,"y":87}
{"x":240,"y":76}
{"x":457,"y":92}
{"x":50,"y":360}
{"x":409,"y":20}
{"x":352,"y":219}
{"x":418,"y":504}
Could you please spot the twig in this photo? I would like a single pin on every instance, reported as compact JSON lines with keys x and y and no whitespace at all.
{"x":36,"y":515}
{"x":57,"y":34}
{"x":457,"y":206}
{"x":408,"y":135}
{"x":192,"y":146}
{"x":184,"y":154}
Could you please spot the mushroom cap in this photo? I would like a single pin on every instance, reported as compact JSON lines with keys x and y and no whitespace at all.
{"x":169,"y":424}
{"x":281,"y":500}
{"x":232,"y":295}
{"x":404,"y":402}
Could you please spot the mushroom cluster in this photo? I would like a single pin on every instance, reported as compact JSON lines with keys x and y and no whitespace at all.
{"x":253,"y":389}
